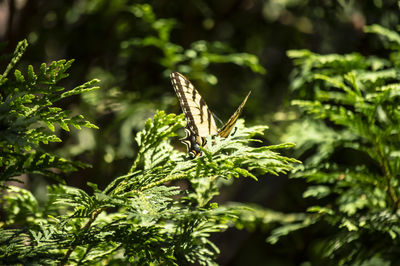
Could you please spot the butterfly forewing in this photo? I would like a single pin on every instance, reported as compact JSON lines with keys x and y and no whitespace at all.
{"x":198,"y":117}
{"x":227,"y":128}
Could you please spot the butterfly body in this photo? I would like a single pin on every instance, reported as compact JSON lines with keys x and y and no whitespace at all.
{"x":193,"y":143}
{"x":199,"y":120}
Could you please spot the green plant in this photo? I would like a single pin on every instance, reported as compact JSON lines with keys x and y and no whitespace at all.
{"x":351,"y":151}
{"x":143,"y":217}
{"x":151,"y":221}
{"x":28,"y":116}
{"x":194,"y":60}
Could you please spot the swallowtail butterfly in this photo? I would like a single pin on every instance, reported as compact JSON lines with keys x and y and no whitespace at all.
{"x":200,"y":122}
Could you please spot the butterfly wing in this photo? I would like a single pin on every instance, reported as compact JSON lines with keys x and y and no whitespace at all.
{"x":227,"y":128}
{"x":199,"y":119}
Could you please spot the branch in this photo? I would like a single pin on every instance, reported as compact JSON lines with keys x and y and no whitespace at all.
{"x":388,"y":176}
{"x":83,"y":228}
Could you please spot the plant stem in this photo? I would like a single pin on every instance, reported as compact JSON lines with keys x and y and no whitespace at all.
{"x":388,"y":176}
{"x":83,"y":228}
{"x":138,"y":157}
{"x":161,"y":181}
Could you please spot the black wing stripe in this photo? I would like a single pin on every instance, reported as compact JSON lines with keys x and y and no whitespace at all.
{"x":202,"y":104}
{"x":198,"y":116}
{"x":209,"y":115}
{"x":184,"y":103}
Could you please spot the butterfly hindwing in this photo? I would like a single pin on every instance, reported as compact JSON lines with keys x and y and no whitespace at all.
{"x":227,"y":128}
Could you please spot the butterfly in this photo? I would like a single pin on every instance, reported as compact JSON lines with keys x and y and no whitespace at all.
{"x":200,"y":122}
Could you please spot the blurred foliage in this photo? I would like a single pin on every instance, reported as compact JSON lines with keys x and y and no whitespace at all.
{"x":131,"y":46}
{"x":194,"y":60}
{"x":351,"y":117}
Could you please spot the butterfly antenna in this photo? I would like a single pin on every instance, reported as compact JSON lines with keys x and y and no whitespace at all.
{"x":218,"y":120}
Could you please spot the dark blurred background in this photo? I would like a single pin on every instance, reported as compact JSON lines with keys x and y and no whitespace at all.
{"x":134,"y":83}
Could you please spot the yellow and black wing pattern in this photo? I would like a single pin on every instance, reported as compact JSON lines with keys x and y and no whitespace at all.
{"x":199,"y":120}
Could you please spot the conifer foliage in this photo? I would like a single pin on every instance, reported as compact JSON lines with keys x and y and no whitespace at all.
{"x":351,"y":117}
{"x":28,"y":117}
{"x":142,"y":217}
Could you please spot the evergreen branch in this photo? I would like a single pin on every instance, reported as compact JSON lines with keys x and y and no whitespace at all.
{"x":164,"y":180}
{"x":18,"y":52}
{"x":388,"y":176}
{"x":392,"y":36}
{"x":84,"y":228}
{"x":145,"y":196}
{"x":27,"y":103}
{"x":359,"y":97}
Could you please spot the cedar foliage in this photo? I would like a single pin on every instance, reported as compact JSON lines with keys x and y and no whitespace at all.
{"x":142,"y":217}
{"x":351,"y":112}
{"x":28,"y":117}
